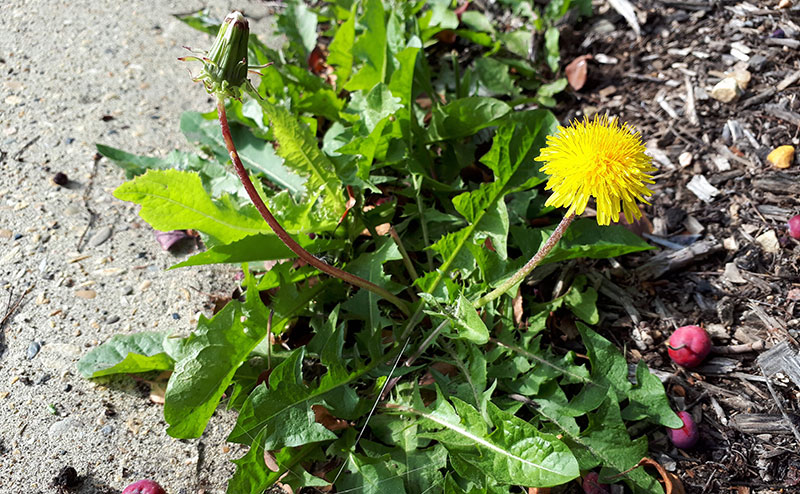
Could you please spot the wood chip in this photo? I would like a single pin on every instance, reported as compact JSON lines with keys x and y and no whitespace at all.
{"x":700,"y":187}
{"x":763,"y":423}
{"x":732,"y":274}
{"x":769,"y":242}
{"x":781,"y":358}
{"x":670,"y":260}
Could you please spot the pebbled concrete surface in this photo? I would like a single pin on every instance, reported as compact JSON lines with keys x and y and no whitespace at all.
{"x":73,"y":74}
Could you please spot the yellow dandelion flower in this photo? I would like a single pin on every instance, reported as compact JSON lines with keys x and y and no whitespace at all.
{"x":601,"y":159}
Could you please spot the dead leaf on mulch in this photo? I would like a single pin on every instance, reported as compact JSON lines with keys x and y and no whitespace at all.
{"x":672,"y":483}
{"x":577,"y":70}
{"x":638,"y":227}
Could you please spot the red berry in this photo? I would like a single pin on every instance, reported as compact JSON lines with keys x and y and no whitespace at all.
{"x":689,"y":346}
{"x":794,"y":227}
{"x":592,"y":485}
{"x":144,"y":486}
{"x":686,"y":436}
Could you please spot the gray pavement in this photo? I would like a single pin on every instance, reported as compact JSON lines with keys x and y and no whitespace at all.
{"x":72,"y":74}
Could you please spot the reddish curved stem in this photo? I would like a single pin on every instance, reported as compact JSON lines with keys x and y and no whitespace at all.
{"x":283,"y":234}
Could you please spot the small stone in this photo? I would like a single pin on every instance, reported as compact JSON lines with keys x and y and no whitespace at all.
{"x":732,"y":274}
{"x":63,"y":427}
{"x":742,"y":78}
{"x":86,"y":294}
{"x":112,"y":319}
{"x":739,"y":55}
{"x":61,"y":179}
{"x":127,"y":290}
{"x":33,"y":349}
{"x":726,"y":90}
{"x":781,"y":156}
{"x":145,"y":285}
{"x":769,"y":241}
{"x":5,"y":233}
{"x":176,"y":316}
{"x":784,"y":4}
{"x":685,"y":159}
{"x":100,"y":236}
{"x":107,"y":430}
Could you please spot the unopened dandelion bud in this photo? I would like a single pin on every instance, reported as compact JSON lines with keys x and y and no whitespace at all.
{"x":228,"y":54}
{"x":225,"y":65}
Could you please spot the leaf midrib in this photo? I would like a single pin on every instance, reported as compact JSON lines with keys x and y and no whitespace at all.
{"x":479,"y":440}
{"x":205,"y":215}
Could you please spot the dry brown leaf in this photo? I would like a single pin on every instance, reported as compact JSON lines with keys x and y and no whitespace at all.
{"x":316,"y":60}
{"x":516,"y":304}
{"x":442,"y":367}
{"x":158,"y":387}
{"x":577,"y":70}
{"x":672,"y":483}
{"x":270,"y":461}
{"x":351,"y":201}
{"x":323,"y":416}
{"x":638,"y":227}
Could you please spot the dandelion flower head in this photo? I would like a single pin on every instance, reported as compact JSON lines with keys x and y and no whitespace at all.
{"x":597,"y":158}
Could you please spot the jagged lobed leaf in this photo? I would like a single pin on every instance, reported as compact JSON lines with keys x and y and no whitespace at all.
{"x":127,"y":354}
{"x":176,"y":200}
{"x":209,"y":359}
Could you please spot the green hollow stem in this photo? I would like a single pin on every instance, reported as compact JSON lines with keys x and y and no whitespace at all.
{"x":530,"y":265}
{"x":284,"y":235}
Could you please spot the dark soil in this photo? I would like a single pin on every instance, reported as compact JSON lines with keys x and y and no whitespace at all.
{"x":742,"y":284}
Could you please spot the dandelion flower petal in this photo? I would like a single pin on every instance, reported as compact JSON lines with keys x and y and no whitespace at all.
{"x":597,"y":158}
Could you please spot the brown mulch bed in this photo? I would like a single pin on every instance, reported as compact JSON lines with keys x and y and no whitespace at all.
{"x":740,"y":278}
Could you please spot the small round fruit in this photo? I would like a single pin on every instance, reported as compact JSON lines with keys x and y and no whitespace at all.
{"x":686,"y":436}
{"x":689,"y":346}
{"x":592,"y":485}
{"x":144,"y":486}
{"x":794,"y":227}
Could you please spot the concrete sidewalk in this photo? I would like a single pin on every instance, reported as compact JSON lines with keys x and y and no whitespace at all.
{"x":74,"y":74}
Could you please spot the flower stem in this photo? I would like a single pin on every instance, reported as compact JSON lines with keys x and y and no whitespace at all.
{"x":283,"y":234}
{"x":528,"y":267}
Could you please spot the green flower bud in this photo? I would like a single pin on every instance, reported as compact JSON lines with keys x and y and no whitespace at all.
{"x":228,"y":54}
{"x":225,"y":65}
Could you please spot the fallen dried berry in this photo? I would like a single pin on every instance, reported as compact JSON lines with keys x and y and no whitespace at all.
{"x":794,"y":227}
{"x":592,"y":485}
{"x":689,"y":346}
{"x":144,"y":486}
{"x":686,"y":436}
{"x":60,"y":178}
